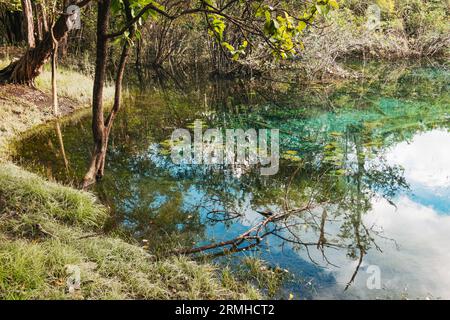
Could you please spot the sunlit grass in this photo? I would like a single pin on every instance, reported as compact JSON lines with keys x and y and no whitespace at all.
{"x":71,"y":84}
{"x":44,"y":227}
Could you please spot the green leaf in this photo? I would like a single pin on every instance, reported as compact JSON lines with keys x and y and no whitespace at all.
{"x":228,"y":46}
{"x":301,"y":26}
{"x":334,"y":4}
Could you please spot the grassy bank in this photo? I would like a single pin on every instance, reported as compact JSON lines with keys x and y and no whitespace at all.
{"x":22,"y":107}
{"x":45,"y":228}
{"x":49,"y":232}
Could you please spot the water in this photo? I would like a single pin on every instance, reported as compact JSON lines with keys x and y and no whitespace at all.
{"x":371,"y":156}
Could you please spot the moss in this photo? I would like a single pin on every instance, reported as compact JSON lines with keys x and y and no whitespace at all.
{"x":46,"y":227}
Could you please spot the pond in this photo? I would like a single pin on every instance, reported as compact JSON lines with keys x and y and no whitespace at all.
{"x":364,"y":174}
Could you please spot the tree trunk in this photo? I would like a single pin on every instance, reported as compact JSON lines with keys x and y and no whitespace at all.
{"x":41,"y":18}
{"x":97,"y":165}
{"x":12,"y":24}
{"x":63,"y":43}
{"x":28,"y":22}
{"x":98,"y":124}
{"x":54,"y":88}
{"x":40,"y":27}
{"x":44,"y":17}
{"x":29,"y":66}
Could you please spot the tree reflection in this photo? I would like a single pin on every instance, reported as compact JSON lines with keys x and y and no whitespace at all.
{"x":334,"y":138}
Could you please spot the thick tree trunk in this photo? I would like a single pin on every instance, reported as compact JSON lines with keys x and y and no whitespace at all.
{"x":28,"y":24}
{"x":29,"y":66}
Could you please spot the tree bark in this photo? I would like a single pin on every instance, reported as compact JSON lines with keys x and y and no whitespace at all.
{"x":102,"y":129}
{"x":63,"y":43}
{"x":54,"y":88}
{"x":39,"y":24}
{"x":28,"y":24}
{"x":98,"y":124}
{"x":41,"y":18}
{"x":29,"y":66}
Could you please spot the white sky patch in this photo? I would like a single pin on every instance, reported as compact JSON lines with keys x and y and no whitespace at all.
{"x":426,"y":159}
{"x":422,"y":262}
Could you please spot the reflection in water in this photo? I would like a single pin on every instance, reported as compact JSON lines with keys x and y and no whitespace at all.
{"x":414,"y":261}
{"x":364,"y":179}
{"x":425,"y":159}
{"x":61,"y":145}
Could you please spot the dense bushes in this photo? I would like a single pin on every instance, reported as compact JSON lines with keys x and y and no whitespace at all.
{"x":408,"y":28}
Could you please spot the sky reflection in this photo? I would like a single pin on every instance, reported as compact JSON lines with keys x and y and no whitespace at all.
{"x":415,"y":260}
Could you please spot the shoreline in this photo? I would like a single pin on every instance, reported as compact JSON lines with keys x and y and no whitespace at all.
{"x":47,"y":229}
{"x":20,"y":115}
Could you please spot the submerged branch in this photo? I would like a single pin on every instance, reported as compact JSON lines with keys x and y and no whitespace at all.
{"x":253,"y":234}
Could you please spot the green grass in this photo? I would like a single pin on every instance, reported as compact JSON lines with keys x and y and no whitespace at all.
{"x":45,"y":228}
{"x":43,"y":198}
{"x":71,"y":84}
{"x":25,"y":108}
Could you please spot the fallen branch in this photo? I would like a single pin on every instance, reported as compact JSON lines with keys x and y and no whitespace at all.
{"x":252,"y":234}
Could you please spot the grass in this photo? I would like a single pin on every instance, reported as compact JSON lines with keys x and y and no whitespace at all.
{"x":266,"y":278}
{"x":71,"y":84}
{"x":22,"y":107}
{"x":46,"y":227}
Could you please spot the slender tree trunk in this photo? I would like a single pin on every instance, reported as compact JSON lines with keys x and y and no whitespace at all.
{"x":28,"y":24}
{"x":41,"y":18}
{"x":102,"y":129}
{"x":40,"y":29}
{"x":117,"y":94}
{"x":44,"y":16}
{"x":61,"y":145}
{"x":54,"y":88}
{"x":63,"y":43}
{"x":98,"y":124}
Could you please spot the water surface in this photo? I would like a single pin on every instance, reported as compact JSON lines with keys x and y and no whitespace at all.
{"x":370,"y":157}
